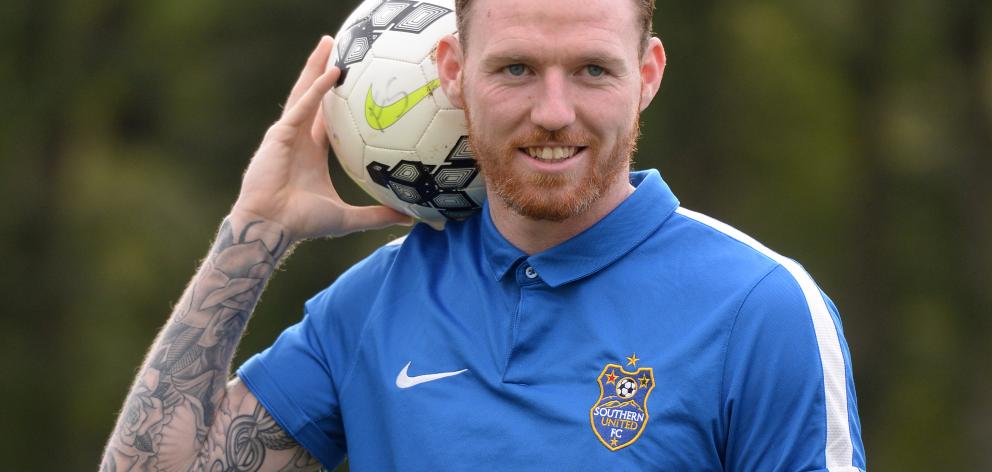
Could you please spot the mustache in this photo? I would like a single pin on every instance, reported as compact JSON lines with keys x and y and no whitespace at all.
{"x":564,"y":137}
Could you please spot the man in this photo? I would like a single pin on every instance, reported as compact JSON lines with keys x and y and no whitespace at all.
{"x":583,"y":320}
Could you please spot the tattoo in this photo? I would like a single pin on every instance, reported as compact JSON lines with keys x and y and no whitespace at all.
{"x":302,"y":460}
{"x":179,"y":390}
{"x":269,"y":432}
{"x":249,"y":437}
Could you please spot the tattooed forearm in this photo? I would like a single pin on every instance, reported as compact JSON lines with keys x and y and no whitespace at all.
{"x":175,"y":398}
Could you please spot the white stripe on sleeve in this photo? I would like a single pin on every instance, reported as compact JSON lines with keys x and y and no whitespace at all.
{"x":839,"y":450}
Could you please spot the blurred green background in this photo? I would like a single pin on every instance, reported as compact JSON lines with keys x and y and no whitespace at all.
{"x":854,"y":136}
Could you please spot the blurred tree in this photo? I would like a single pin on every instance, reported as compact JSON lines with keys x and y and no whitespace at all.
{"x":852,"y":135}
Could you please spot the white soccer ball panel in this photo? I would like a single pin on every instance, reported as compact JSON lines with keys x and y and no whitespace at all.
{"x":361,"y":11}
{"x":442,"y":135}
{"x":414,"y":36}
{"x":353,"y":43}
{"x":344,"y":136}
{"x":388,"y":157}
{"x":354,"y":71}
{"x":429,"y":216}
{"x":444,"y":144}
{"x":429,"y":68}
{"x":392,"y":104}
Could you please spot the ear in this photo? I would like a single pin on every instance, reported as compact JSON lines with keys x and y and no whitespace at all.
{"x":449,"y":69}
{"x":652,"y":69}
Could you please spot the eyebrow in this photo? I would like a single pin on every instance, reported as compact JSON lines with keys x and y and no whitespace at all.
{"x":499,"y":59}
{"x":606,"y":60}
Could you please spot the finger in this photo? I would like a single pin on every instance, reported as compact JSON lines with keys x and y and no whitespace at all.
{"x":303,"y":111}
{"x":318,"y":131}
{"x":314,"y":67}
{"x":374,"y":217}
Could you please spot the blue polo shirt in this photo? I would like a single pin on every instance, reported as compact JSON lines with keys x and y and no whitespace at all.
{"x":658,"y":339}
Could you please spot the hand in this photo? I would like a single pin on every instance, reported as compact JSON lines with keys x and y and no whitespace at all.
{"x":288,"y":181}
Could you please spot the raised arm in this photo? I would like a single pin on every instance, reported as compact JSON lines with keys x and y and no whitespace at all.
{"x":181,"y":412}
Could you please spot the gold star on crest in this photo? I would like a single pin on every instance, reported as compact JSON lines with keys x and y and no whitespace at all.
{"x":613,"y":442}
{"x":632,"y":360}
{"x":611,"y":377}
{"x":644,"y":380}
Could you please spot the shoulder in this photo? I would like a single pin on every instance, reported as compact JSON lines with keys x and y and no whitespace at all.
{"x":776,"y":279}
{"x":785,"y":346}
{"x":363,"y":275}
{"x":398,"y":262}
{"x":716,"y":241}
{"x":708,"y":259}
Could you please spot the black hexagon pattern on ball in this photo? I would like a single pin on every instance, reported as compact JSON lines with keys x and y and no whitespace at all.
{"x":401,"y":16}
{"x":440,"y":187}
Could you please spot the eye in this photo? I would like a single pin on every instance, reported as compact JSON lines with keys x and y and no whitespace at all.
{"x":595,"y":71}
{"x":516,"y":70}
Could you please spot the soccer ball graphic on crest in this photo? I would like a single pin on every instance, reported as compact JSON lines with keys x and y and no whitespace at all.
{"x":626,"y":388}
{"x":391,"y":127}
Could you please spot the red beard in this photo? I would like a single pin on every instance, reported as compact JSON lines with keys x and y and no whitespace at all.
{"x":552,"y":197}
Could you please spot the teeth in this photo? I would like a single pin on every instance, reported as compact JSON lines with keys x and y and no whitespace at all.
{"x":549,"y":153}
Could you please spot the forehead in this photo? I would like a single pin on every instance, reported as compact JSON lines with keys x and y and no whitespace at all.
{"x":549,"y":25}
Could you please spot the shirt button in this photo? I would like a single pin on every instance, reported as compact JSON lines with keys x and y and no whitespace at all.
{"x":530,"y":272}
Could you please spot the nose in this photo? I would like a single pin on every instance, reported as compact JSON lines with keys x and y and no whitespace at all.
{"x":552,"y":108}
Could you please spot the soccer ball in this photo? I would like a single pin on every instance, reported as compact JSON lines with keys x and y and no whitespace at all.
{"x":626,"y":388}
{"x":390,"y":125}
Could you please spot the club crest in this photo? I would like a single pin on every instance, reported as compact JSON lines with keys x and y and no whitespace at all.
{"x":619,"y":416}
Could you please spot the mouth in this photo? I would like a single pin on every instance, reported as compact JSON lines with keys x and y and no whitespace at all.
{"x":552,"y":153}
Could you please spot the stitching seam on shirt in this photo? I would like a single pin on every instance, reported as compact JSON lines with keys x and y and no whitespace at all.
{"x":346,"y":380}
{"x":838,"y":449}
{"x":730,"y":334}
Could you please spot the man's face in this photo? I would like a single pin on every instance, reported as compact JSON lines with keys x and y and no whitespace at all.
{"x":552,"y":90}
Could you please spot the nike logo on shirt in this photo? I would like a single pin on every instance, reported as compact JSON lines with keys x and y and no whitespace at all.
{"x":403,"y":380}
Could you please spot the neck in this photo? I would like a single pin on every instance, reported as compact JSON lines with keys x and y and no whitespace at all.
{"x":533,"y":236}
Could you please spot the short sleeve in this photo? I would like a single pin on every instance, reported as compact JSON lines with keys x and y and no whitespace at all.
{"x":788,"y":388}
{"x":293,"y":382}
{"x":299,"y":379}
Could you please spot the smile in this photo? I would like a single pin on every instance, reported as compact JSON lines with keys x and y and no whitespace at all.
{"x":551,"y":153}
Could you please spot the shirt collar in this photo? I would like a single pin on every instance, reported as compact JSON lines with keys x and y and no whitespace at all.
{"x":620,"y":231}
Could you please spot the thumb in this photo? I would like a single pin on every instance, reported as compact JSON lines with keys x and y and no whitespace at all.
{"x":375,"y":217}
